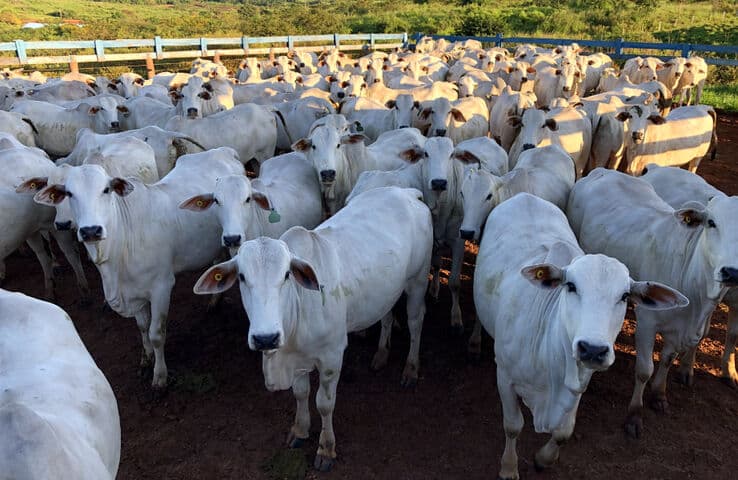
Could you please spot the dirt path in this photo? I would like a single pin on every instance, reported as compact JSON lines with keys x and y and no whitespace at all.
{"x":219,"y":422}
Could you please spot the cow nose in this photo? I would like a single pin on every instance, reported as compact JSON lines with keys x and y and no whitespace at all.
{"x":677,"y":74}
{"x":191,"y":112}
{"x":468,"y":95}
{"x":466,"y":234}
{"x":566,"y":89}
{"x":438,"y":184}
{"x":265,"y":342}
{"x":592,"y":353}
{"x":440,"y":132}
{"x":63,"y":226}
{"x":114,"y":124}
{"x":528,"y":146}
{"x":328,"y":175}
{"x":729,"y":275}
{"x":525,"y":79}
{"x":637,"y":136}
{"x":340,"y":94}
{"x":404,"y":126}
{"x":91,"y":234}
{"x":231,"y":240}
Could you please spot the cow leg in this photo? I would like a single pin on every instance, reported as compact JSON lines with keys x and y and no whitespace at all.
{"x":300,"y":430}
{"x":36,"y":242}
{"x":436,"y":267}
{"x":454,"y":283}
{"x":143,"y":320}
{"x":658,"y":384}
{"x":158,"y":330}
{"x":69,"y":247}
{"x":415,"y":315}
{"x":727,"y":365}
{"x":549,"y":453}
{"x":474,"y":348}
{"x":693,"y":164}
{"x":325,"y":399}
{"x":512,"y":422}
{"x":380,"y":358}
{"x":644,"y":339}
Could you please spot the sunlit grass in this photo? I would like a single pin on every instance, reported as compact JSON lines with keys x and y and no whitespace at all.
{"x":724,"y":97}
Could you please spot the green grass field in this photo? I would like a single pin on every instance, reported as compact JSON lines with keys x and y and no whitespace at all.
{"x":724,"y":97}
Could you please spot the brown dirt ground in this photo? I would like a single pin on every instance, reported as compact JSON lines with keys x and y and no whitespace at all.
{"x":219,"y":422}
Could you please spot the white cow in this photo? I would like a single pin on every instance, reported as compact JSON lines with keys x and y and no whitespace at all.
{"x":684,"y":137}
{"x":197,"y":98}
{"x":287,"y":193}
{"x":509,"y":104}
{"x":459,"y":120}
{"x":553,"y":82}
{"x":693,"y":249}
{"x":554,"y":314}
{"x":134,"y":234}
{"x":19,"y":126}
{"x":58,"y":414}
{"x":678,"y":187}
{"x":375,"y":118}
{"x":694,"y":77}
{"x":304,"y":292}
{"x":140,"y":112}
{"x":293,"y":119}
{"x":250,"y":130}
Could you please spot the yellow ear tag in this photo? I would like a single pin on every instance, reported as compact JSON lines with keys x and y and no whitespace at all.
{"x":199,"y":203}
{"x":687,"y":219}
{"x":539,"y":273}
{"x":218,"y":277}
{"x":33,"y":186}
{"x":52,"y":196}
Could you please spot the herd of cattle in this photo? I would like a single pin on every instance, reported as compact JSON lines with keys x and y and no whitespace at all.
{"x":385,"y":161}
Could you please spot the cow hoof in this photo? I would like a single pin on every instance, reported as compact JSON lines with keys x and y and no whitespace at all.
{"x":323,"y":463}
{"x":729,"y":381}
{"x":685,"y":378}
{"x":634,"y":426}
{"x":380,"y":359}
{"x":294,"y":441}
{"x":659,"y":404}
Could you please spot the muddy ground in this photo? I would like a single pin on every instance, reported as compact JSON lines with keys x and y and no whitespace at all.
{"x":217,"y":420}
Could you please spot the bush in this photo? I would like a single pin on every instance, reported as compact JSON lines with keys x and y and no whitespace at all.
{"x":477,"y":21}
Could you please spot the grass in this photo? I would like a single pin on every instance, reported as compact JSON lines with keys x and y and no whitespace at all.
{"x":724,"y":97}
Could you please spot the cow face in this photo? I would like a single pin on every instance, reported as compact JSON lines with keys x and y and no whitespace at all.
{"x":403,"y":110}
{"x":637,"y":119}
{"x":467,"y":85}
{"x":443,"y":116}
{"x":237,"y":206}
{"x":479,"y":195}
{"x":91,"y":194}
{"x":438,"y":167}
{"x":269,"y":276}
{"x":323,"y":150}
{"x":534,"y":128}
{"x":190,"y":101}
{"x":104,"y":116}
{"x":593,"y":295}
{"x":719,"y":242}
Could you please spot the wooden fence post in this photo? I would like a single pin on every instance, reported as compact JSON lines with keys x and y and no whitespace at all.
{"x":150,"y":71}
{"x":216,"y":57}
{"x":73,"y":65}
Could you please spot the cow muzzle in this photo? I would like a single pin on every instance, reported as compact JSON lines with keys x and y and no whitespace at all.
{"x":231,"y":241}
{"x":191,"y":113}
{"x":265,"y":342}
{"x":566,"y":89}
{"x":466,"y":234}
{"x":440,"y":132}
{"x":528,"y":146}
{"x":91,"y":234}
{"x":328,"y":176}
{"x":637,"y":137}
{"x":593,"y":355}
{"x":439,"y":184}
{"x":115,"y":126}
{"x":63,"y":226}
{"x":729,"y":276}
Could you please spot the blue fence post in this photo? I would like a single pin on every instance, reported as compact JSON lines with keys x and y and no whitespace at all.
{"x":20,"y":50}
{"x":245,"y":45}
{"x":290,"y":42}
{"x":619,"y":47}
{"x":336,"y":41}
{"x":498,"y":40}
{"x":99,"y":50}
{"x":404,"y":40}
{"x":371,"y":41}
{"x":686,"y":50}
{"x":203,"y":46}
{"x":158,"y":48}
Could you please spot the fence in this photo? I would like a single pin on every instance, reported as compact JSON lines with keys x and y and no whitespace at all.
{"x":158,"y":48}
{"x":177,"y":48}
{"x":617,"y":47}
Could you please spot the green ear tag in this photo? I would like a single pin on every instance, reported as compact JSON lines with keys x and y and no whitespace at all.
{"x":274,"y":217}
{"x":359,"y":127}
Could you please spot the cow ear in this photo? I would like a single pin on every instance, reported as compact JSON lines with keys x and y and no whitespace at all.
{"x":345,"y":84}
{"x":261,"y":200}
{"x":112,"y":86}
{"x":217,"y":279}
{"x":425,"y":113}
{"x":123,"y":109}
{"x":623,"y":116}
{"x":304,"y":274}
{"x":390,"y":104}
{"x":302,"y":145}
{"x":198,"y":203}
{"x":412,"y":155}
{"x":208,"y":87}
{"x":692,"y":214}
{"x":467,"y":157}
{"x":52,"y":195}
{"x":204,"y":95}
{"x":590,"y":62}
{"x":93,"y":110}
{"x":32,"y":185}
{"x":416,"y":104}
{"x":531,"y":70}
{"x":656,"y":296}
{"x":458,"y":115}
{"x":551,"y":124}
{"x":514,"y":120}
{"x":353,"y":139}
{"x":139,"y":81}
{"x":657,"y":119}
{"x":688,"y":64}
{"x":121,"y":186}
{"x":558,"y":71}
{"x":544,"y":275}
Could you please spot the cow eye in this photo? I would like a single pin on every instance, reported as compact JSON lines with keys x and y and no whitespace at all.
{"x":625,"y":297}
{"x":571,"y":287}
{"x":338,"y":145}
{"x":215,"y":201}
{"x":286,"y":275}
{"x":312,"y":146}
{"x":241,"y":277}
{"x":711,"y":223}
{"x":248,"y":199}
{"x":489,"y":197}
{"x":106,"y":190}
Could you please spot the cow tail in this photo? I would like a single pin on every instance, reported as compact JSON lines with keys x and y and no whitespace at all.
{"x":714,"y":140}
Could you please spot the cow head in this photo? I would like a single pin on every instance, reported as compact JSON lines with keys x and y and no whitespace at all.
{"x":593,"y":295}
{"x":92,"y":196}
{"x":534,"y":127}
{"x":236,"y":204}
{"x":479,"y":195}
{"x":402,"y":110}
{"x":637,"y":119}
{"x":269,"y":277}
